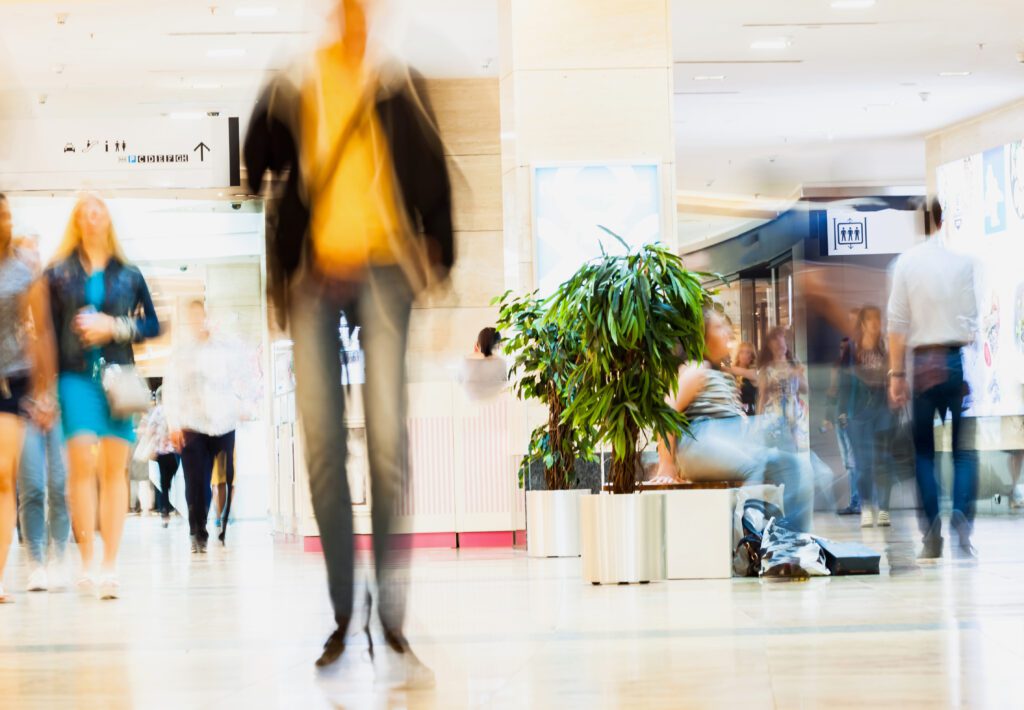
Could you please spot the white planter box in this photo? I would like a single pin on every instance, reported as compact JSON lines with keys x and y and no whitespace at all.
{"x":622,"y":538}
{"x":553,"y":523}
{"x":698,"y":534}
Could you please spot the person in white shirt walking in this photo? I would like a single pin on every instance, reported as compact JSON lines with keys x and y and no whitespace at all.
{"x":933,"y":312}
{"x":202,"y":409}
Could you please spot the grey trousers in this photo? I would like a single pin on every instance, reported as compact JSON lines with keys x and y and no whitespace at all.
{"x":382,"y":307}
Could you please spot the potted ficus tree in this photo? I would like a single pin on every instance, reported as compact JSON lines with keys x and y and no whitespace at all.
{"x":542,"y":359}
{"x":640,"y":315}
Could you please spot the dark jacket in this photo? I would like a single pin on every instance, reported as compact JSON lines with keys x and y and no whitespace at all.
{"x":126,"y":296}
{"x":272,"y":145}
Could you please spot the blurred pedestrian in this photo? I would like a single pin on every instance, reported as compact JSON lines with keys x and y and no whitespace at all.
{"x":203,"y":409}
{"x":380,"y":230}
{"x":840,"y":381}
{"x":933,"y":313}
{"x":782,"y":386}
{"x":101,"y":306}
{"x":26,"y":369}
{"x":744,"y":369}
{"x":864,"y":412}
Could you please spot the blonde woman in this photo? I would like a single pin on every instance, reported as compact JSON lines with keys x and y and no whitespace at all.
{"x":26,"y":369}
{"x":744,"y":369}
{"x":100,"y":305}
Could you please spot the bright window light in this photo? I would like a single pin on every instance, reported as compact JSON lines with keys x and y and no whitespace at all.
{"x":709,"y":77}
{"x":775,"y":43}
{"x":954,"y":73}
{"x":268,"y":11}
{"x":226,"y":53}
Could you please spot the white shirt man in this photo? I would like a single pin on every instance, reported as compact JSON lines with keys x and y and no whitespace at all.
{"x":933,"y":310}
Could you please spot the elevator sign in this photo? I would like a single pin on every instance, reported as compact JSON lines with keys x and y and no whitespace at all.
{"x":121,"y":153}
{"x":852,"y":232}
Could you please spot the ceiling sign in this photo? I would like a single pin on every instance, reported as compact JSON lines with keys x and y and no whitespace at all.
{"x":853,"y":232}
{"x":85,"y":154}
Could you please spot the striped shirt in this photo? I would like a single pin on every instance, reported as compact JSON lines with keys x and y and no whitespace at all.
{"x":719,"y":398}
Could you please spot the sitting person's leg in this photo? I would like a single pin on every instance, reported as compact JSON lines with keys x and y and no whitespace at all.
{"x":791,"y":471}
{"x":717,"y":450}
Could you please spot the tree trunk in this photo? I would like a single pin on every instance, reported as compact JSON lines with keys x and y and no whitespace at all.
{"x":560,"y":476}
{"x":626,"y":467}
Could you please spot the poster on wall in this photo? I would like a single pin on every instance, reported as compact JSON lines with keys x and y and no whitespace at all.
{"x":571,"y":203}
{"x":983,"y":198}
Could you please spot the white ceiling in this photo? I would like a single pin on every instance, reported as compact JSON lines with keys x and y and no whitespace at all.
{"x":151,"y":56}
{"x":849,"y":109}
{"x":848,"y":112}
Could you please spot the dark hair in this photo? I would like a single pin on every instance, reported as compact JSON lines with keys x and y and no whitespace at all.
{"x":3,"y":197}
{"x":766,"y":356}
{"x":487,"y":340}
{"x":861,"y":317}
{"x":845,"y":351}
{"x":935,"y":208}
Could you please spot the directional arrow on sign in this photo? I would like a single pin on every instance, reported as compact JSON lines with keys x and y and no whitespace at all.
{"x":202,"y":148}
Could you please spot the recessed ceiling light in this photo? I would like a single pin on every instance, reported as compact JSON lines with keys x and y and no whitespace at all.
{"x":852,"y":4}
{"x":266,"y":11}
{"x":206,"y":85}
{"x":775,"y":43}
{"x":709,"y":77}
{"x":225,"y":53}
{"x":954,"y":73}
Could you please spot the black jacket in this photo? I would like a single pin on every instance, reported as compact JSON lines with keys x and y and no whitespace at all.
{"x":126,"y":296}
{"x":272,"y":145}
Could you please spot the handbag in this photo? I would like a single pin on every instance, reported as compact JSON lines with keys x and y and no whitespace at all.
{"x":127,"y":393}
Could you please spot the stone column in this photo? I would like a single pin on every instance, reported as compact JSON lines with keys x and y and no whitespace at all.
{"x":582,"y":81}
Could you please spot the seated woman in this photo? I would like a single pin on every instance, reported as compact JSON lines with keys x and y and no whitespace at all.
{"x":484,"y":374}
{"x":724,"y":444}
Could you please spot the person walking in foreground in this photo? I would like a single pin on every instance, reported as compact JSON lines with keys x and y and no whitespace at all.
{"x":933,"y":312}
{"x":100,"y":305}
{"x":380,"y":230}
{"x":26,"y":369}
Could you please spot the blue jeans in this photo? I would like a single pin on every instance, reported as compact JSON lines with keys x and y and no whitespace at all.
{"x":873,"y":467}
{"x":42,"y":481}
{"x":849,"y":463}
{"x":941,"y":377}
{"x":731,"y":448}
{"x":382,"y":306}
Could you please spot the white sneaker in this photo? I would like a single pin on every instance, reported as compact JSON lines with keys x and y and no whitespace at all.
{"x":883,"y":519}
{"x":37,"y":581}
{"x":866,"y":519}
{"x":58,"y":576}
{"x":4,"y":598}
{"x":86,"y":585}
{"x":109,"y":587}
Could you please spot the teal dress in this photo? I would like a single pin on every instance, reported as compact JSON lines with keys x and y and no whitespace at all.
{"x":83,"y":403}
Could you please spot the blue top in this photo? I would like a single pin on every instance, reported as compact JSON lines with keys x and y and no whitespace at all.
{"x":95,"y":292}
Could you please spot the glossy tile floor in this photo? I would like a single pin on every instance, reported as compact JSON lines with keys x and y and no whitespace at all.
{"x":240,"y":628}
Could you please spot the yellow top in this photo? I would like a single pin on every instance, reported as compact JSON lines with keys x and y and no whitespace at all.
{"x":354,"y":218}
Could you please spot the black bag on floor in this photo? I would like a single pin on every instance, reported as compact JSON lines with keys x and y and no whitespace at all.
{"x":843,"y":558}
{"x":746,"y":561}
{"x":787,"y":553}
